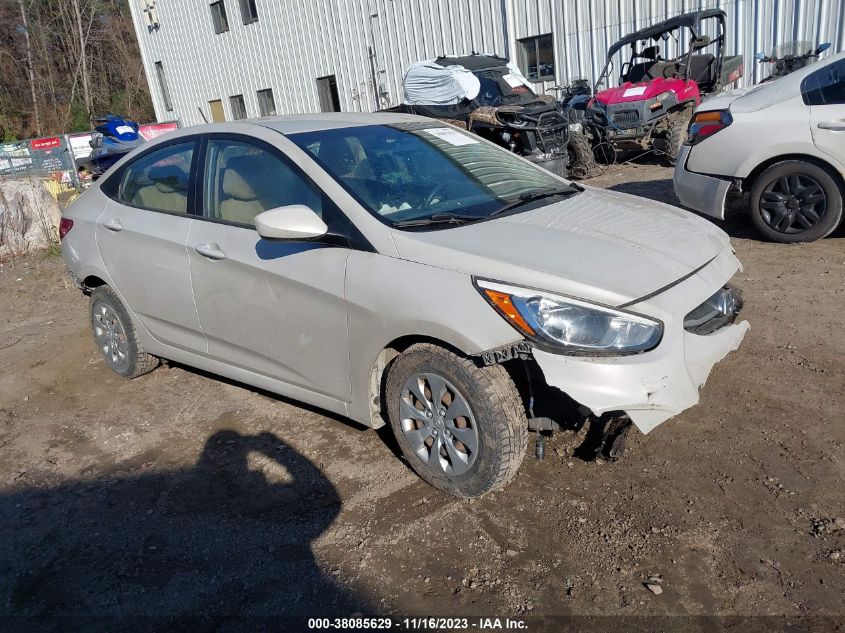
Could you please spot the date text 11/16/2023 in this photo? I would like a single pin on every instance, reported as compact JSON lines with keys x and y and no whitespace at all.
{"x":418,"y":624}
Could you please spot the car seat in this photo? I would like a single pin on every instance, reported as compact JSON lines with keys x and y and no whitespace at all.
{"x":167,"y":191}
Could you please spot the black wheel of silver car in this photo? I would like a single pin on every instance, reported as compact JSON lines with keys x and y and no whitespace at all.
{"x":796,"y":201}
{"x":115,"y":335}
{"x":461,"y":427}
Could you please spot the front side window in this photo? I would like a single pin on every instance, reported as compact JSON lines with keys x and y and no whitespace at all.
{"x":826,"y":86}
{"x":249,"y":12}
{"x":238,"y":107}
{"x":412,"y":171}
{"x":537,"y":58}
{"x":158,"y":181}
{"x":243,"y":180}
{"x":218,"y":17}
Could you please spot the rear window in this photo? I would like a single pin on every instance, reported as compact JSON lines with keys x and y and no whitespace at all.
{"x":826,"y":86}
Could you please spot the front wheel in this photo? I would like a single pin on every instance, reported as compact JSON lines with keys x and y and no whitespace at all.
{"x":796,"y":201}
{"x":676,"y":134}
{"x":461,"y":427}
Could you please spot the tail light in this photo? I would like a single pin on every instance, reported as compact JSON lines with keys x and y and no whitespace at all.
{"x":65,"y":225}
{"x":706,"y":124}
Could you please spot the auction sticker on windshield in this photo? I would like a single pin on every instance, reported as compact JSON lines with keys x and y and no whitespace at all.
{"x":453,"y":137}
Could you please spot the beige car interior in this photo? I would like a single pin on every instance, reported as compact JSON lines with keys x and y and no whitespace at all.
{"x":167,"y":191}
{"x":246,"y":181}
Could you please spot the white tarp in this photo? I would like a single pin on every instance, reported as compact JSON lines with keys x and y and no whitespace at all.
{"x":428,"y":83}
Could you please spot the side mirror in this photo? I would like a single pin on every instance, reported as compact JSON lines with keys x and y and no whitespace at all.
{"x":822,"y":48}
{"x":760,"y":57}
{"x":294,"y":222}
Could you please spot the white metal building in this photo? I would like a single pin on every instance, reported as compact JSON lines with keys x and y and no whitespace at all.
{"x":216,"y":59}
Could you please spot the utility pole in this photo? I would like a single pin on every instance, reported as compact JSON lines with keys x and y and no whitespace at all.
{"x":31,"y":69}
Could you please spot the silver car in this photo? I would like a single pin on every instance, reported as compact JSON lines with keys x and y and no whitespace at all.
{"x":399,"y":271}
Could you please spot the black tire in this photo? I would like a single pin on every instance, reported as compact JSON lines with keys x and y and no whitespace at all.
{"x":115,"y":335}
{"x":497,"y":416}
{"x":582,"y":161}
{"x":768,"y":184}
{"x":676,"y":134}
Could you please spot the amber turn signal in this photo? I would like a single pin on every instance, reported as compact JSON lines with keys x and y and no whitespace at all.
{"x":504,"y":304}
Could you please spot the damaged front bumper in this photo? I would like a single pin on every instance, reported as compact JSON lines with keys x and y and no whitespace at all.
{"x":656,"y":385}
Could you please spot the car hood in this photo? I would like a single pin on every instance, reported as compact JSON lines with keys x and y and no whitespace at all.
{"x":599,"y":245}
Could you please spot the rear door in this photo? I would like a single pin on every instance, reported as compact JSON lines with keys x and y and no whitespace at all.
{"x":273,"y":307}
{"x":141,"y":237}
{"x":824,"y":92}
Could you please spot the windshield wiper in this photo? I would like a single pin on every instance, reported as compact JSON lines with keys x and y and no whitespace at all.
{"x":533,"y":196}
{"x":437,"y":218}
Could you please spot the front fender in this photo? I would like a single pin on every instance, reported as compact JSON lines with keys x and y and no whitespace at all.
{"x":390,"y":299}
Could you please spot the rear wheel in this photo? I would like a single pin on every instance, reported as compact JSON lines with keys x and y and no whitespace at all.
{"x":115,"y":335}
{"x":796,"y":201}
{"x":461,"y":427}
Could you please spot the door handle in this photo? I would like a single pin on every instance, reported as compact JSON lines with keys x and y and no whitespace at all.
{"x":836,"y":126}
{"x":211,"y":251}
{"x":113,"y":225}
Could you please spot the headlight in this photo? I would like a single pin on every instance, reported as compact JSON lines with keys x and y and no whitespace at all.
{"x":571,"y":326}
{"x":657,"y":102}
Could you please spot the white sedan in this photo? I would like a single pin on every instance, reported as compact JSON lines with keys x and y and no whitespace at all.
{"x":780,"y":145}
{"x":399,"y":271}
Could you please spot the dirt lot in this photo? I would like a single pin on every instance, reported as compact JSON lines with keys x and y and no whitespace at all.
{"x":179,"y":494}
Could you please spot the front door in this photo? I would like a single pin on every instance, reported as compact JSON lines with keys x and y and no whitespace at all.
{"x":273,"y":307}
{"x":141,"y":238}
{"x":824,"y":91}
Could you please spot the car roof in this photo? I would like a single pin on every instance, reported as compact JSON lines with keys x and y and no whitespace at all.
{"x":295,"y":123}
{"x":766,"y":94}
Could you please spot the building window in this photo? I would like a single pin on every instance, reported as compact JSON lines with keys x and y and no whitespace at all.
{"x":218,"y":16}
{"x":327,"y":91}
{"x":537,"y":58}
{"x":249,"y":12}
{"x":162,"y":84}
{"x":238,"y":107}
{"x":266,"y":103}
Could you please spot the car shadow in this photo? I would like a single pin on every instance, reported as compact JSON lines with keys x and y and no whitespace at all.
{"x":210,"y":547}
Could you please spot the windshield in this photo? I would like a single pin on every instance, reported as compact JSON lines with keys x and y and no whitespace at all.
{"x":497,"y":89}
{"x":793,"y":49}
{"x":411,"y":171}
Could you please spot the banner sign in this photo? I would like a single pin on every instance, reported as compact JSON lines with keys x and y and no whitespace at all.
{"x":154,"y":130}
{"x":45,"y":143}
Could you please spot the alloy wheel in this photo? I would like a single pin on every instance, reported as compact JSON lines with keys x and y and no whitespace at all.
{"x":438,"y":423}
{"x":793,"y":204}
{"x":110,"y":335}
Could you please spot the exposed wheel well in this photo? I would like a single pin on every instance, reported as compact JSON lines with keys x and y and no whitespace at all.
{"x":378,"y":373}
{"x":91,"y":282}
{"x":748,"y":182}
{"x":527,"y":376}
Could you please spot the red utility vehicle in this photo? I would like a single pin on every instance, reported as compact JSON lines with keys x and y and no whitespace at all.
{"x":652,"y":106}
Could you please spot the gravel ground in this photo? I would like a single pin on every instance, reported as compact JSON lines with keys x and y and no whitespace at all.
{"x":180,"y":494}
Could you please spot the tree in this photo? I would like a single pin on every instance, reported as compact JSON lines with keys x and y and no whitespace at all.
{"x":81,"y":59}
